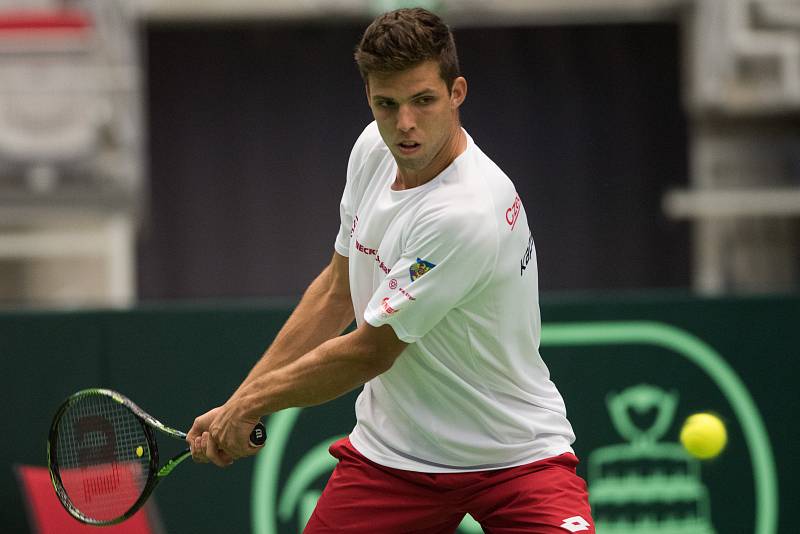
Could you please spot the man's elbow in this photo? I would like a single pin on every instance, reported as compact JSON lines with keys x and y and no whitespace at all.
{"x":383,"y":361}
{"x":380,"y":346}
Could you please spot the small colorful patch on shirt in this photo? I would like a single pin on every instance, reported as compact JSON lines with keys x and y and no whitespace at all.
{"x":419,"y":268}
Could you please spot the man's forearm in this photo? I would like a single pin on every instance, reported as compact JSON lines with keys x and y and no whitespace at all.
{"x":322,"y":314}
{"x":326,"y":372}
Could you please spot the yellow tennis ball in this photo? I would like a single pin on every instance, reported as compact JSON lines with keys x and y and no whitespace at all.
{"x":703,"y":435}
{"x":139,"y":451}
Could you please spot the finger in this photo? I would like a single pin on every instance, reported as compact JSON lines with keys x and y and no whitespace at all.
{"x":226,"y":449}
{"x":198,"y":453}
{"x":212,"y":451}
{"x":191,"y":439}
{"x":194,"y":432}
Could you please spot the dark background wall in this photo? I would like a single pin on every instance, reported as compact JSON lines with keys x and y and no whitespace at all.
{"x":250,"y":127}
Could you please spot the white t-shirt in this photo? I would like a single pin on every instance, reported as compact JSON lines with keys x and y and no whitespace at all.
{"x":451,"y":266}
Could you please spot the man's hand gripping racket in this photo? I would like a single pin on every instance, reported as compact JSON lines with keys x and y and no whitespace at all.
{"x":219,"y":437}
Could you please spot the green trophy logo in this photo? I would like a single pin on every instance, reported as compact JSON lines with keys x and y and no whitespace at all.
{"x":645,"y":485}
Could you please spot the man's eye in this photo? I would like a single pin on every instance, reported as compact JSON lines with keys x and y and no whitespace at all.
{"x":385,"y":104}
{"x":425,"y":100}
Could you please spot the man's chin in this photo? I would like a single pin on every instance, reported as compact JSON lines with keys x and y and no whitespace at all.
{"x":412,"y":163}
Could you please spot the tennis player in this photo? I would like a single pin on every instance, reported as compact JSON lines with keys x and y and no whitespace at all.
{"x":436,"y":261}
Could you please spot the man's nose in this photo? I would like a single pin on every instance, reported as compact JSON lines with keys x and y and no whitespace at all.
{"x":405,"y":118}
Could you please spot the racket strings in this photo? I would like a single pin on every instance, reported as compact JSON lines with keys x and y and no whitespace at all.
{"x":103,"y":456}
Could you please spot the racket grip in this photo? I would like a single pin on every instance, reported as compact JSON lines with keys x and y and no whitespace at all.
{"x":259,"y":435}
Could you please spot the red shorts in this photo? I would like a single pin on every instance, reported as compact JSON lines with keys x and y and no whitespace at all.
{"x":544,"y":497}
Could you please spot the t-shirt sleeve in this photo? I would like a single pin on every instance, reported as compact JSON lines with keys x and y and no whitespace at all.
{"x":347,"y":207}
{"x":347,"y":218}
{"x":446,"y":260}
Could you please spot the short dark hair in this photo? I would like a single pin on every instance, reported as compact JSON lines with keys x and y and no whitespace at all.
{"x":401,"y":39}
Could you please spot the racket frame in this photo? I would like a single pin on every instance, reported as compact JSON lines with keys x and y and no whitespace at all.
{"x":155,"y":473}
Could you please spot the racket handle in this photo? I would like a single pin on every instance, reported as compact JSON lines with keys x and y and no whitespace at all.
{"x":259,"y":435}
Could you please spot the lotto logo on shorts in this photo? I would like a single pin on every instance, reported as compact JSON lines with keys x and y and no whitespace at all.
{"x":575,"y":524}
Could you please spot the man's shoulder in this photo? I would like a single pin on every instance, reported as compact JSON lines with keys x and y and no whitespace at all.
{"x":474,"y":187}
{"x":482,"y":165}
{"x":369,"y":134}
{"x":458,"y":212}
{"x":368,"y":143}
{"x":490,"y":186}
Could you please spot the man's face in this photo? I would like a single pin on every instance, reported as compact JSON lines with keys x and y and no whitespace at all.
{"x":415,"y":112}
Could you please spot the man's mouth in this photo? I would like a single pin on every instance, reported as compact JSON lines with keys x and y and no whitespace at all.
{"x":408,"y":147}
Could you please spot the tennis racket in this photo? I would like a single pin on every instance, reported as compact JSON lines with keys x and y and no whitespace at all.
{"x":103,"y":456}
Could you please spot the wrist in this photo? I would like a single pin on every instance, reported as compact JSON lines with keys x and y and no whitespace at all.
{"x":243,"y":405}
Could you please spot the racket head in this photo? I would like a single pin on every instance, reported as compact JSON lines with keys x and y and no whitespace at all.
{"x":102,"y":457}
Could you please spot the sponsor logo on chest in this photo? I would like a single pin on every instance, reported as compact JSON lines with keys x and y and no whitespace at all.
{"x":512,"y":213}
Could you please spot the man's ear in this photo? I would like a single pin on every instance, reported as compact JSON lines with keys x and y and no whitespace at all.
{"x":458,"y":93}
